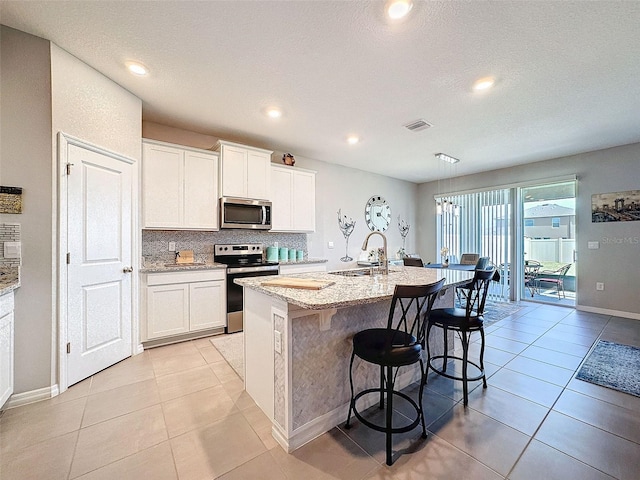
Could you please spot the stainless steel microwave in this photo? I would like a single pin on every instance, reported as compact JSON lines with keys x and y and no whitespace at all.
{"x":245,"y":213}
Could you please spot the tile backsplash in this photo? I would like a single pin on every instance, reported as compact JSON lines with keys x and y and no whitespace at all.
{"x":9,"y":232}
{"x":155,"y":243}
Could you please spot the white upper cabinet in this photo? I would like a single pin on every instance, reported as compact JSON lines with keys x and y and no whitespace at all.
{"x":293,"y":194}
{"x":179,"y":187}
{"x":245,"y":172}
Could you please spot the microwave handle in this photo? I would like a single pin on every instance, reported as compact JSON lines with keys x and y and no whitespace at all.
{"x":264,"y":215}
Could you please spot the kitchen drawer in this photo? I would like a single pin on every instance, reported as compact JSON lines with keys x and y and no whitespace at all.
{"x":185,"y":277}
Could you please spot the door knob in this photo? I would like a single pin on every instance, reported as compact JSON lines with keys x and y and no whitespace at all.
{"x":127,"y":269}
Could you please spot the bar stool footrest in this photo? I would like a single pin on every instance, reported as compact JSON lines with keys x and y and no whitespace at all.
{"x":453,"y":377}
{"x":383,"y":429}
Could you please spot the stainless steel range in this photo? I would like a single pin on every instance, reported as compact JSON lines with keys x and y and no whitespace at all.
{"x":242,"y":261}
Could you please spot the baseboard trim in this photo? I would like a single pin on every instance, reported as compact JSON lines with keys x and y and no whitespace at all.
{"x":32,"y":396}
{"x":606,"y":311}
{"x":326,"y":422}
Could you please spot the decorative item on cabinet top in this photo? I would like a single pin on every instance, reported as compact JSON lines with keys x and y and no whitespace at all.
{"x":288,"y":159}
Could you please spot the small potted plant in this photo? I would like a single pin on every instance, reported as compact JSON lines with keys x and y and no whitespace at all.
{"x":444,"y":252}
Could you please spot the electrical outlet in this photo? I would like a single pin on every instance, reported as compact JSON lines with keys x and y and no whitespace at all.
{"x":593,"y":245}
{"x":329,"y":244}
{"x":600,"y":286}
{"x":277,"y":341}
{"x":172,"y":246}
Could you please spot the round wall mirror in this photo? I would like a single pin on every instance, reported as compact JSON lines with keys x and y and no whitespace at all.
{"x":377,"y":214}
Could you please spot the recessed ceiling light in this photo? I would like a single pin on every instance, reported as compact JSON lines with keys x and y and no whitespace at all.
{"x":137,"y":68}
{"x":353,"y":139}
{"x":446,"y":158}
{"x":274,"y":112}
{"x":483,"y":83}
{"x":397,"y":9}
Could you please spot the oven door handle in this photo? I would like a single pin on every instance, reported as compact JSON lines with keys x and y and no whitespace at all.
{"x":231,"y":271}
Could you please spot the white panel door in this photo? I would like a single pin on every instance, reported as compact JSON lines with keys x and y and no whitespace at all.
{"x":99,"y":291}
{"x":207,"y":307}
{"x":200,"y":190}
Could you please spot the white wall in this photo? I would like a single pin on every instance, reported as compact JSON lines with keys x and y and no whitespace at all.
{"x":26,"y":162}
{"x":337,"y":187}
{"x":616,"y":263}
{"x":46,"y":90}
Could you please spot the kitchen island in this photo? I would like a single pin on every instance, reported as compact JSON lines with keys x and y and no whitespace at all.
{"x":298,"y":344}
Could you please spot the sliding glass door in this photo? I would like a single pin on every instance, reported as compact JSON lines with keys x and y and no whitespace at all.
{"x":549,"y":243}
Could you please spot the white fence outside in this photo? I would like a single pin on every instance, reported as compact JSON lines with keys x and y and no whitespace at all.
{"x":559,"y":250}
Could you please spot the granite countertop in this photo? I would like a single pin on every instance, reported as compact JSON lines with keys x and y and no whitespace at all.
{"x":9,"y":279}
{"x":159,"y":267}
{"x":303,"y":262}
{"x":349,"y":291}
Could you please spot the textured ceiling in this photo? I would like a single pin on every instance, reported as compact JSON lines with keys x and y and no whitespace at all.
{"x":568,"y":74}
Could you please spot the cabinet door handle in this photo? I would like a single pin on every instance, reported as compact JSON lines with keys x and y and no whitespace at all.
{"x":127,"y":269}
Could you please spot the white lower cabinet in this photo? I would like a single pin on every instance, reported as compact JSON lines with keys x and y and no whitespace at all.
{"x":6,"y":347}
{"x":302,"y":268}
{"x":183,"y":302}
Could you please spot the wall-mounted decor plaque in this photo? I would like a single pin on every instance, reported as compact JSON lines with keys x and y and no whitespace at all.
{"x":10,"y":199}
{"x":615,"y":207}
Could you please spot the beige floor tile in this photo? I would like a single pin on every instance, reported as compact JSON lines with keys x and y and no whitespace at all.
{"x":202,"y":342}
{"x":294,"y":467}
{"x":110,"y":441}
{"x":562,"y":346}
{"x":438,"y":460}
{"x":470,"y":431}
{"x":558,"y":359}
{"x":336,"y":456}
{"x":517,"y":412}
{"x":261,"y":425}
{"x":131,"y":370}
{"x":48,"y":459}
{"x":182,"y":348}
{"x":197,"y":410}
{"x":263,"y":467}
{"x":234,"y":386}
{"x":120,"y":401}
{"x":215,"y":449}
{"x":607,"y":394}
{"x":224,"y":372}
{"x":24,"y":426}
{"x":165,"y":365}
{"x":538,"y":391}
{"x":79,"y":390}
{"x":617,"y":420}
{"x":602,"y":450}
{"x":539,"y":461}
{"x":183,"y":383}
{"x":211,"y":354}
{"x":540,"y":370}
{"x":154,"y":463}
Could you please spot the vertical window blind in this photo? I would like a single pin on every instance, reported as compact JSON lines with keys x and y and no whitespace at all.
{"x":478,"y":222}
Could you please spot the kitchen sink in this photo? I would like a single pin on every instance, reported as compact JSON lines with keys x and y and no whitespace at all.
{"x":357,"y":272}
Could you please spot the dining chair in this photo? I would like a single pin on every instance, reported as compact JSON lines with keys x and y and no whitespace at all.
{"x":531,"y":269}
{"x":544,"y":276}
{"x":412,"y":262}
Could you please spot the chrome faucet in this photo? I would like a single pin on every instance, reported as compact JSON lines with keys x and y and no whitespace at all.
{"x":384,"y":262}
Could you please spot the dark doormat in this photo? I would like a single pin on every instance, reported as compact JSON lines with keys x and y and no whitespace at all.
{"x":613,"y":365}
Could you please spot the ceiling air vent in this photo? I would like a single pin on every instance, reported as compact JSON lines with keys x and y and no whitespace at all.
{"x":418,"y":125}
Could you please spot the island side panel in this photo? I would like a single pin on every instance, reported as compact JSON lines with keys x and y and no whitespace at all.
{"x":258,"y":348}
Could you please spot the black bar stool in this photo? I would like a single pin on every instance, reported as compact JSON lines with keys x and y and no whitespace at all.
{"x":399,"y":344}
{"x":464,"y":321}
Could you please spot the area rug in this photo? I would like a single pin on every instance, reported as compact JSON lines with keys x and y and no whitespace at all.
{"x":613,"y":365}
{"x":231,"y":347}
{"x":496,"y":311}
